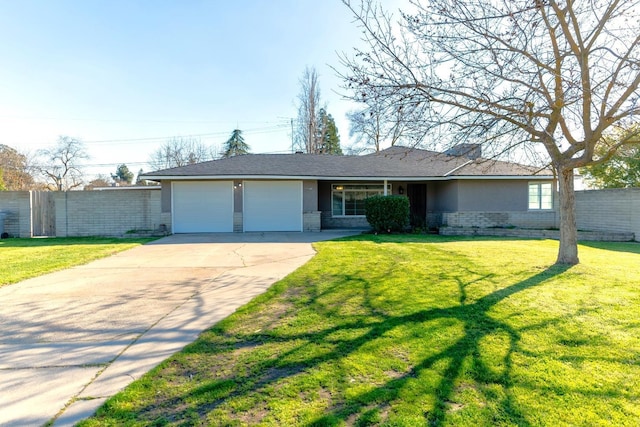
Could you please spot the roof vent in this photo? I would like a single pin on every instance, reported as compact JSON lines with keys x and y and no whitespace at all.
{"x":470,"y":151}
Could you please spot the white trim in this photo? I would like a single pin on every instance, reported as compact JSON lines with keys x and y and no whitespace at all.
{"x":540,"y":208}
{"x":173,"y":210}
{"x":345,"y":178}
{"x":458,"y":168}
{"x":386,"y":189}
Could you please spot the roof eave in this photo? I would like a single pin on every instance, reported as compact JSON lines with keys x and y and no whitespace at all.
{"x":343,"y":178}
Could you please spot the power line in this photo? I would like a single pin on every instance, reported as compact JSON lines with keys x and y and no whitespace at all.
{"x":254,"y":131}
{"x":217,"y":122}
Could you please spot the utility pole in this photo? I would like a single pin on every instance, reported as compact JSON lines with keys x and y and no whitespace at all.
{"x":292,"y":138}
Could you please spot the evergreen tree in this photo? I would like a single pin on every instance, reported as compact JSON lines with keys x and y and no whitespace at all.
{"x":123,"y":175}
{"x":235,"y":144}
{"x":140,"y":180}
{"x":329,"y":140}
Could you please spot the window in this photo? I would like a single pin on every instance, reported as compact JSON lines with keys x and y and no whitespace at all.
{"x":348,"y":199}
{"x":541,"y":195}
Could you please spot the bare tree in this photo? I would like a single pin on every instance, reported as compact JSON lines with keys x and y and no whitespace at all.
{"x":180,"y":151}
{"x":61,"y":164}
{"x":381,"y":123}
{"x":536,"y":76}
{"x":306,"y":135}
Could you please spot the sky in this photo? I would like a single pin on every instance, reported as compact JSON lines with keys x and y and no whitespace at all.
{"x":124,"y":76}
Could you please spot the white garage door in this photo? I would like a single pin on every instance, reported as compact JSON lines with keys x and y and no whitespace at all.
{"x":272,"y":206}
{"x":202,"y":207}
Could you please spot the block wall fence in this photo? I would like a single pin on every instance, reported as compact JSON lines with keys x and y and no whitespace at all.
{"x":116,"y":212}
{"x":85,"y":213}
{"x":613,"y":210}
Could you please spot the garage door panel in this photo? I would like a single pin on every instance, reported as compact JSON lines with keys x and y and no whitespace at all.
{"x":272,"y":206}
{"x":202,"y":207}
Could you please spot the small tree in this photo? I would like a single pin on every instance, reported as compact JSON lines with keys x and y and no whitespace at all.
{"x":235,"y":145}
{"x":98,"y":181}
{"x":17,"y":169}
{"x":387,"y":213}
{"x":123,"y":175}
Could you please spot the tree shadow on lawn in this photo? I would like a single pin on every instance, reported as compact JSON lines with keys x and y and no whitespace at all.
{"x":630,"y":247}
{"x":265,"y":375}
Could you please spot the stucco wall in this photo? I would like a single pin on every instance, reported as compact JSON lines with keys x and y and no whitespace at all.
{"x":493,"y":195}
{"x":445,"y":196}
{"x":609,"y":210}
{"x":310,"y":196}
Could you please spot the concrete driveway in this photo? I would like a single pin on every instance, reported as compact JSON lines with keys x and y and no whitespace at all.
{"x":71,"y":339}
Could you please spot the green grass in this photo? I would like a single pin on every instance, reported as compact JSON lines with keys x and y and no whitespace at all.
{"x":22,"y":259}
{"x":415,"y":330}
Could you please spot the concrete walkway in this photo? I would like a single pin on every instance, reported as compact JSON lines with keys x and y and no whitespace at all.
{"x":71,"y":339}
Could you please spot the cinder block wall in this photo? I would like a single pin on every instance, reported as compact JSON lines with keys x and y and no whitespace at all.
{"x":521,"y":219}
{"x":17,"y":207}
{"x":609,"y":210}
{"x":106,"y":213}
{"x":311,"y":221}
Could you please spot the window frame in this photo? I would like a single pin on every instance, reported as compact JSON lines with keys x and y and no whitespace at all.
{"x":345,"y":189}
{"x":542,"y":200}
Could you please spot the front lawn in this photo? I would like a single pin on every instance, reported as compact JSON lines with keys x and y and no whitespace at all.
{"x":407,"y":331}
{"x":22,"y":259}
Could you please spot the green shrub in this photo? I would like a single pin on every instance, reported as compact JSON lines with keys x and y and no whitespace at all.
{"x":387,"y":213}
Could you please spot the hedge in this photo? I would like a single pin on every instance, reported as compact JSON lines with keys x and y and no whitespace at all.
{"x":387,"y":213}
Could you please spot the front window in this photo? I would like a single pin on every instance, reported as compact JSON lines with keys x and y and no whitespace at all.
{"x":348,"y":199}
{"x":540,"y":195}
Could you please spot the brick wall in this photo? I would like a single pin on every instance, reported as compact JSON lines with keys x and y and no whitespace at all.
{"x":17,"y":208}
{"x":311,"y":221}
{"x":521,"y":219}
{"x":609,"y":210}
{"x":329,"y":222}
{"x":238,"y":222}
{"x":106,"y":213}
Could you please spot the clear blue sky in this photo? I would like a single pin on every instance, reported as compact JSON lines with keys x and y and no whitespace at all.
{"x":121,"y":71}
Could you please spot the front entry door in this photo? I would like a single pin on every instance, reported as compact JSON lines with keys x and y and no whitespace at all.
{"x":417,"y":194}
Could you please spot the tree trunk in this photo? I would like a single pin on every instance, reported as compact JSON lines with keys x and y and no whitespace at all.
{"x":568,"y":251}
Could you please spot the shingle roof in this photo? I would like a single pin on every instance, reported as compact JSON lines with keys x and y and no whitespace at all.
{"x":395,"y":162}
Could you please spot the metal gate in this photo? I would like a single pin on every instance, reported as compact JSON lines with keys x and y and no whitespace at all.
{"x":43,"y":213}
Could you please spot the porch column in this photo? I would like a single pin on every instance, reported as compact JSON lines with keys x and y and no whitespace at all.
{"x":385,"y":187}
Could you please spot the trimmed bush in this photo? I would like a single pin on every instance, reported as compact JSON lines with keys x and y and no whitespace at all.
{"x":387,"y":213}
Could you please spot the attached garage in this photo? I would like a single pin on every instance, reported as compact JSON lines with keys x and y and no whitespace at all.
{"x":272,"y":205}
{"x":202,"y":206}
